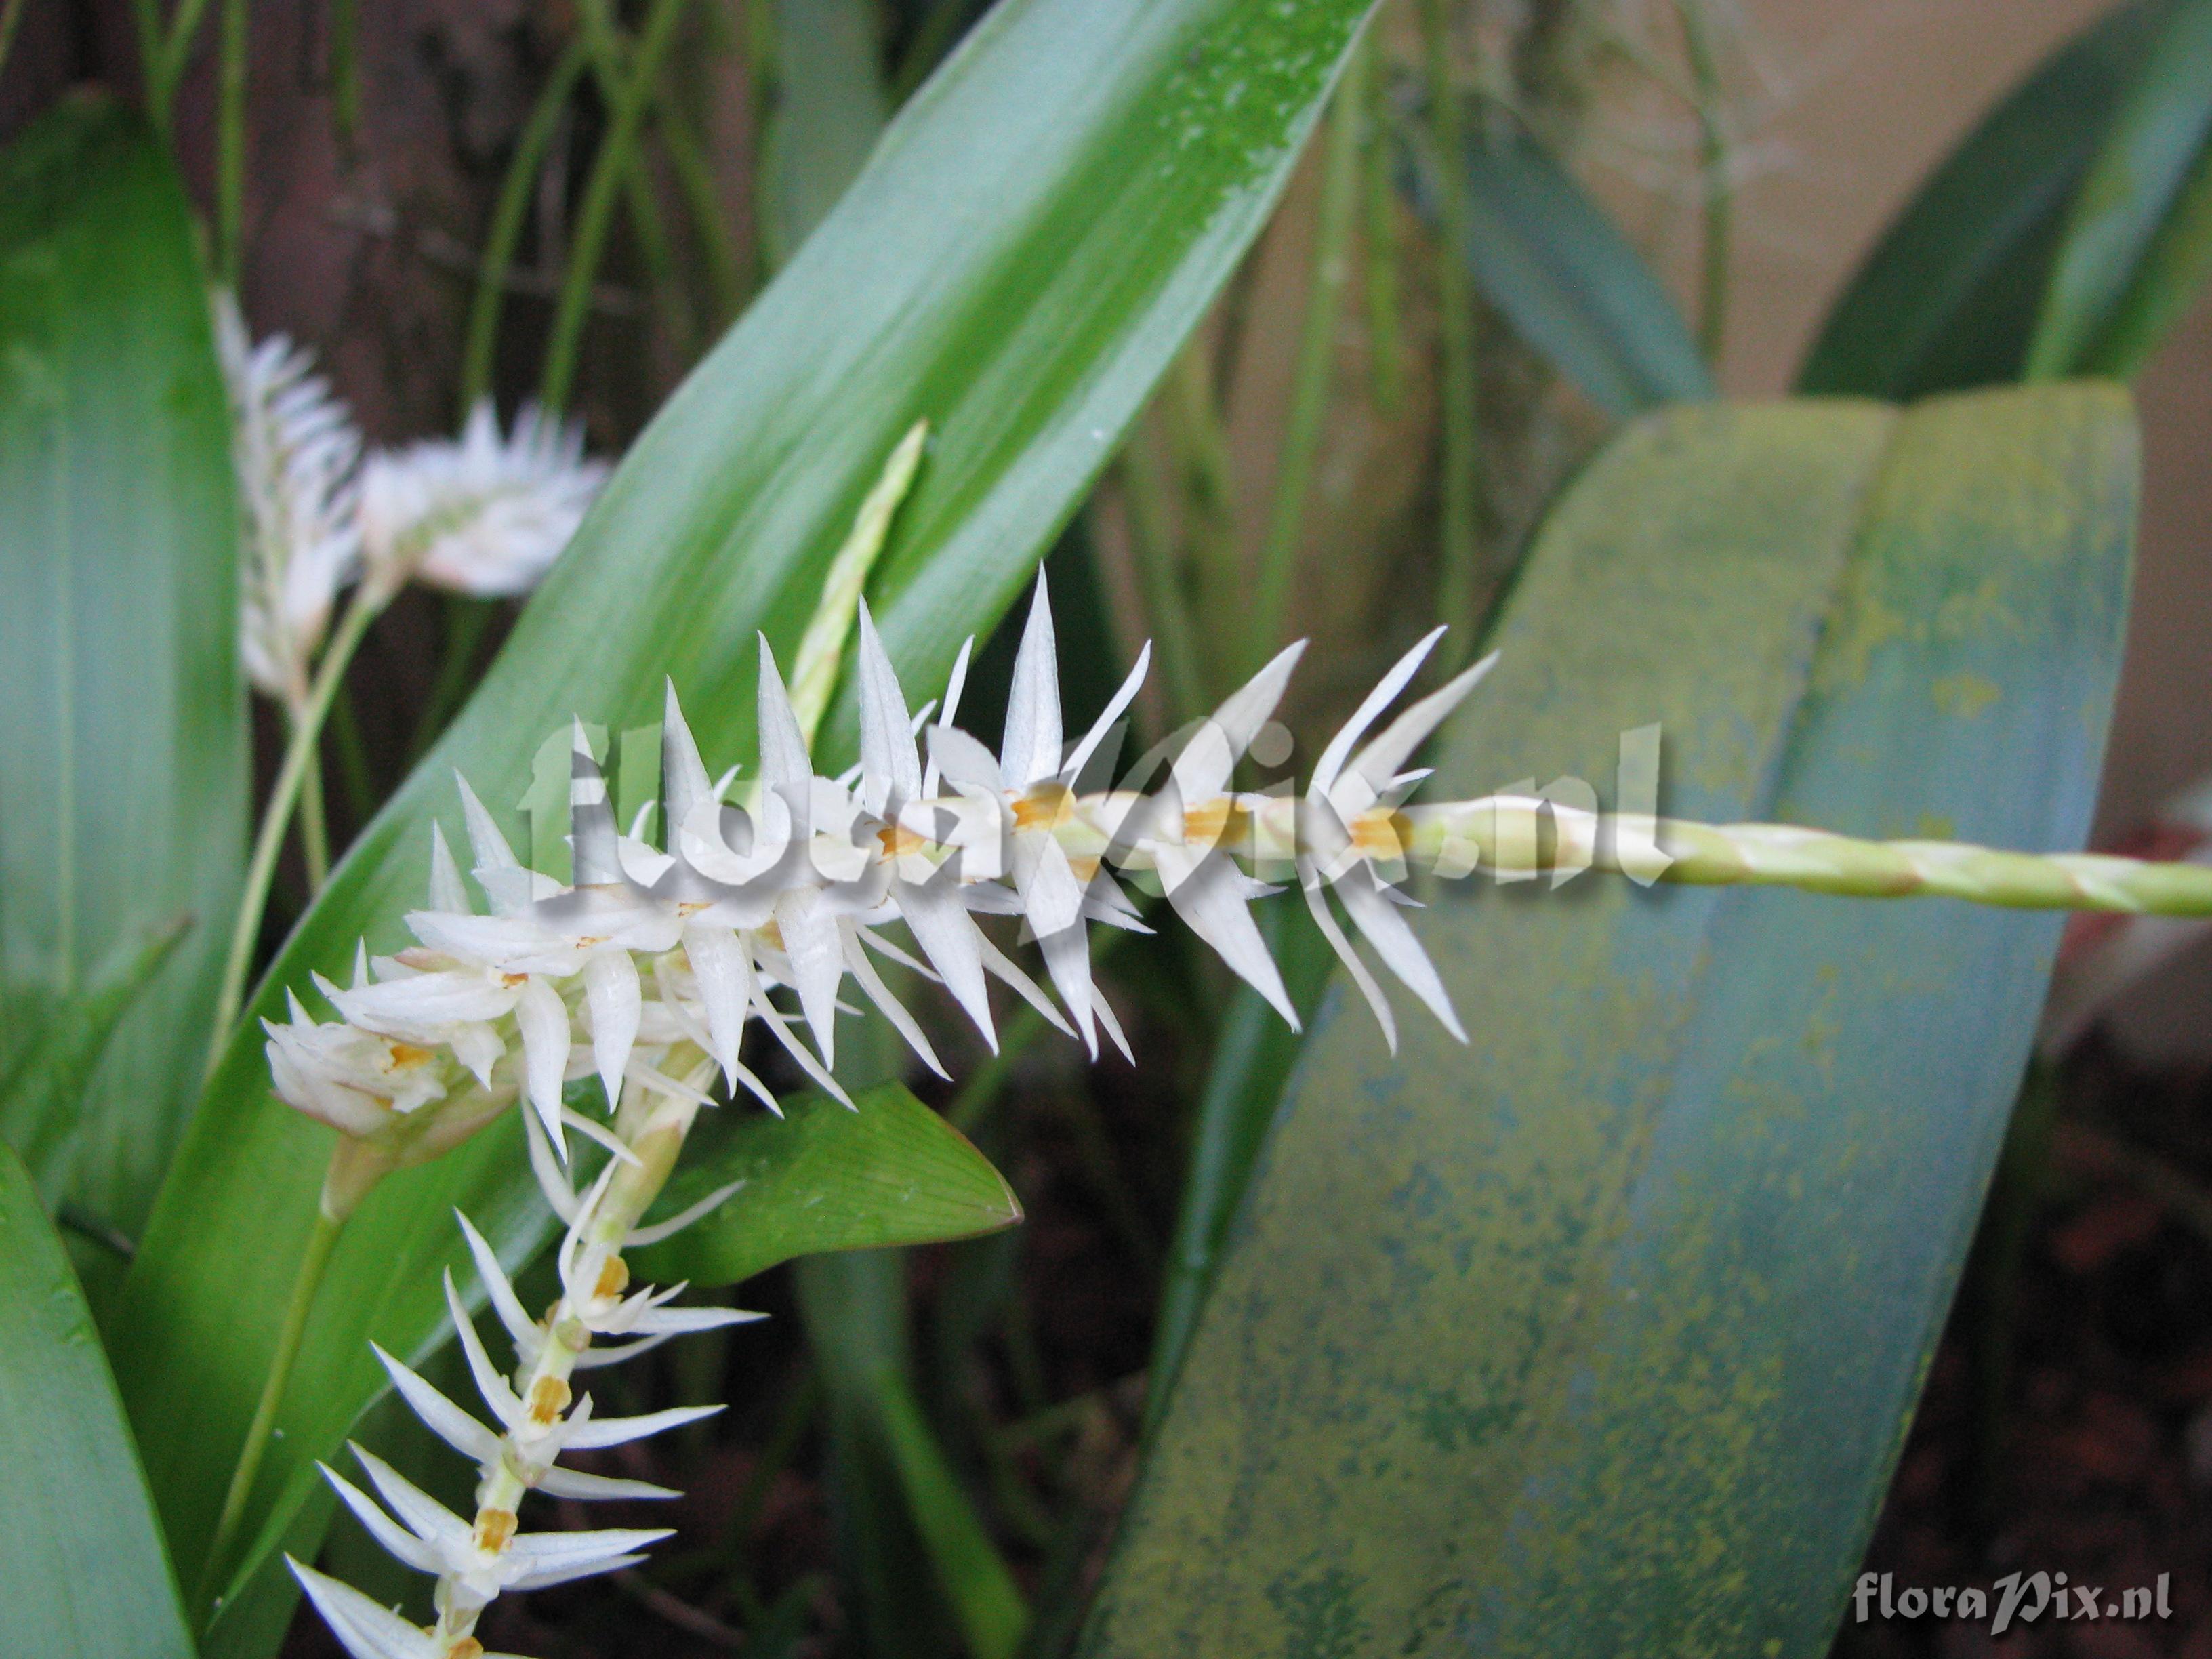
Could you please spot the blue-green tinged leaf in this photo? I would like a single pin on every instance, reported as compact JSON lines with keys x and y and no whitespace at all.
{"x":1600,"y":1334}
{"x":81,"y":1556}
{"x":1950,"y":295}
{"x":123,"y":756}
{"x":824,"y":1178}
{"x":1560,"y":271}
{"x":2108,"y":299}
{"x":1029,"y":245}
{"x":43,"y":1080}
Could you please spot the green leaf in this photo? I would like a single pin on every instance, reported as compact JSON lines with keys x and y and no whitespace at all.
{"x":2154,"y":161}
{"x":42,"y":1084}
{"x":1600,"y":1334}
{"x":123,"y":759}
{"x":81,"y":1555}
{"x":1027,"y":249}
{"x":1950,"y":295}
{"x":829,"y":107}
{"x":824,"y":1178}
{"x":1559,"y":269}
{"x":856,"y":1307}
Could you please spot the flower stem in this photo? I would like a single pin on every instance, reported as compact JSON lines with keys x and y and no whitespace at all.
{"x":1317,"y":357}
{"x":313,"y":1261}
{"x":302,"y":749}
{"x":507,"y":222}
{"x":230,"y":143}
{"x":610,"y":170}
{"x":1713,"y":163}
{"x":1461,"y":553}
{"x":314,"y":824}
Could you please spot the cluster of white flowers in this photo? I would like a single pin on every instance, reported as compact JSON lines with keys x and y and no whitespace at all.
{"x":650,"y":947}
{"x":644,"y":972}
{"x":486,"y":514}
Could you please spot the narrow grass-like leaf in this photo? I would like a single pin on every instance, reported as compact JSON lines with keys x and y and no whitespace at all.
{"x":2153,"y":162}
{"x":1950,"y":295}
{"x":1560,"y":271}
{"x":856,"y":1311}
{"x":1514,"y":1342}
{"x":1032,"y":240}
{"x":81,"y":1555}
{"x":123,"y":756}
{"x":824,"y":1178}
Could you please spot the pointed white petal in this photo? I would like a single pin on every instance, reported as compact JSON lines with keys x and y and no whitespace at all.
{"x":1115,"y":708}
{"x":557,"y":1482}
{"x":396,"y":1540}
{"x":1379,"y":764}
{"x":963,"y":759}
{"x":817,"y":965}
{"x":592,"y":840}
{"x":1030,"y":747}
{"x":543,"y":1018}
{"x":489,"y":1383}
{"x":1210,"y":894}
{"x":499,"y":1290}
{"x":890,"y":768}
{"x":1325,"y":919}
{"x":683,"y":1321}
{"x":683,"y":1219}
{"x":426,"y":1517}
{"x":616,"y":1430}
{"x":872,"y":983}
{"x":612,"y":994}
{"x":1067,"y":959}
{"x":446,"y":892}
{"x":1393,"y":941}
{"x":953,"y":688}
{"x":941,"y":925}
{"x":440,"y":1415}
{"x":1004,"y":968}
{"x":724,"y":970}
{"x":547,"y":1549}
{"x":779,"y":1025}
{"x":1202,"y":770}
{"x":683,"y":782}
{"x":599,"y":1131}
{"x":559,"y":1194}
{"x":783,"y":759}
{"x":364,"y":1629}
{"x":1111,"y":1024}
{"x":1339,"y":751}
{"x":497,"y":869}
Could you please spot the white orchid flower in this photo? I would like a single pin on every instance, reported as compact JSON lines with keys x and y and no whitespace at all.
{"x":296,"y":450}
{"x":481,"y":514}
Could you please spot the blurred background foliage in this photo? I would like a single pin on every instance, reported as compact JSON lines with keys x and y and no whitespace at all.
{"x":1514,"y":228}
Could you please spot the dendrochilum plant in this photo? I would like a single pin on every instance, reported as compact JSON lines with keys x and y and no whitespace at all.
{"x":645,"y":973}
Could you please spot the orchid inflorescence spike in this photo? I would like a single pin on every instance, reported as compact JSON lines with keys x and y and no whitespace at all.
{"x":637,"y":981}
{"x":653,"y":946}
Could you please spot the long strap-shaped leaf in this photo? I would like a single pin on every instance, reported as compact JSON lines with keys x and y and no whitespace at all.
{"x":81,"y":1555}
{"x":1029,"y":245}
{"x":1950,"y":295}
{"x":123,"y":753}
{"x":1598,"y":1336}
